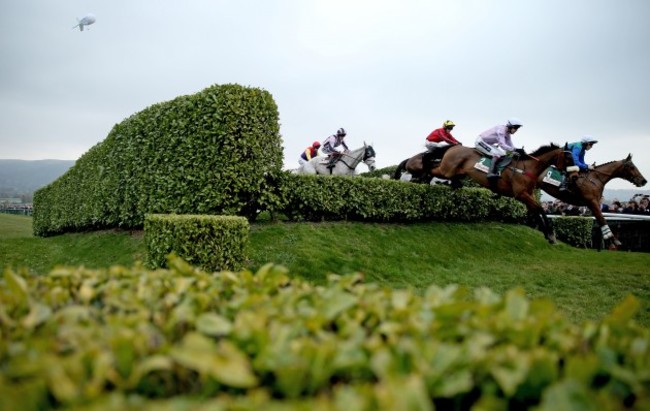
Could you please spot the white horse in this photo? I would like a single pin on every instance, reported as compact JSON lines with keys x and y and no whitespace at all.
{"x":345,"y":165}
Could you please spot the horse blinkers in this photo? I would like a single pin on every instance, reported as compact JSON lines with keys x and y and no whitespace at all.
{"x":368,"y":153}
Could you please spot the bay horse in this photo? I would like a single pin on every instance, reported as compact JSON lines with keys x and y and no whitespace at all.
{"x":587,"y":189}
{"x":346,"y":164}
{"x":420,"y":165}
{"x":518,"y":179}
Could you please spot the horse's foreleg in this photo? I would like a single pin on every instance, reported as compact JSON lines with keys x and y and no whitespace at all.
{"x":608,"y":236}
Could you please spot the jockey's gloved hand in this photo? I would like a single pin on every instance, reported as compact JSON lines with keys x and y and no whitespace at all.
{"x":520,"y":151}
{"x":592,"y":166}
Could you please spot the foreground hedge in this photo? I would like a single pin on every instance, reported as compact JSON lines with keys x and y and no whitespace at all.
{"x":182,"y":339}
{"x":213,"y":243}
{"x":218,"y":151}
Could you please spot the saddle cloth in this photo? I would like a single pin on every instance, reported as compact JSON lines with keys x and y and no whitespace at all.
{"x":552,"y":176}
{"x":485,"y":163}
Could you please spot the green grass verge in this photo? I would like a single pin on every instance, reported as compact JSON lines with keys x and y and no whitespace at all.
{"x":585,"y":284}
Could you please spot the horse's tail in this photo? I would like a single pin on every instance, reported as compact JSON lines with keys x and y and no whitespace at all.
{"x":400,"y":169}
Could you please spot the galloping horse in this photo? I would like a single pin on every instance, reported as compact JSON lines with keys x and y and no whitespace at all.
{"x":587,"y":189}
{"x":419,"y":165}
{"x":518,"y":179}
{"x":344,"y":166}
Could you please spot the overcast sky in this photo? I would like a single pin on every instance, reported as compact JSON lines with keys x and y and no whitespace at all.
{"x":389,"y":72}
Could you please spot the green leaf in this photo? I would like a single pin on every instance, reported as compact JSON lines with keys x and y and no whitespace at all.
{"x":624,"y":311}
{"x":568,"y":395}
{"x":213,"y":324}
{"x":337,"y":301}
{"x":223,"y":361}
{"x":17,"y":285}
{"x":516,"y":304}
{"x":38,"y":314}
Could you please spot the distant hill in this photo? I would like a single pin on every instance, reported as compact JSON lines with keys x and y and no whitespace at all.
{"x":19,"y":177}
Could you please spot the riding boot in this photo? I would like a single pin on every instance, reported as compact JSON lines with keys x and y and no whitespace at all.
{"x":494,"y":169}
{"x":331,"y":162}
{"x":564,"y":185}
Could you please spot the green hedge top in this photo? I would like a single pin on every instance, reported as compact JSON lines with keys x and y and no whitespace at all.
{"x":214,"y":152}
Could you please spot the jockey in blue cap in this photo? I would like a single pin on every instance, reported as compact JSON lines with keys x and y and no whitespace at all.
{"x":578,"y":150}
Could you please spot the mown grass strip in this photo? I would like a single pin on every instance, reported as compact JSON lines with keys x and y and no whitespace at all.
{"x":586,"y":284}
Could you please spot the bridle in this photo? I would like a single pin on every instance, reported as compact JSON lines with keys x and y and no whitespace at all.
{"x":368,"y":153}
{"x":626,"y":164}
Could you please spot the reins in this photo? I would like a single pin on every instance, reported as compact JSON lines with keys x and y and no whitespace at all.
{"x":528,"y":174}
{"x":610,"y":175}
{"x":356,"y":162}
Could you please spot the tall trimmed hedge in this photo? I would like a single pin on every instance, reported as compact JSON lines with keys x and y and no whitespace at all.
{"x":218,"y":151}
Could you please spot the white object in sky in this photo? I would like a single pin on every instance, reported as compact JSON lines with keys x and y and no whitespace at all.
{"x":86,"y":20}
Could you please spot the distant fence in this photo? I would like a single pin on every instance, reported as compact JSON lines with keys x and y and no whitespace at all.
{"x":17,"y":211}
{"x":633,"y":230}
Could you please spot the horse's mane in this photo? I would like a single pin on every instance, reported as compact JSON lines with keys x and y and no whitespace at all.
{"x":610,"y":162}
{"x":544,"y":149}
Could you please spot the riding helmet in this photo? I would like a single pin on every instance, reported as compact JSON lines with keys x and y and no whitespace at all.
{"x":341,"y":132}
{"x":316,"y":144}
{"x":448,"y":123}
{"x":588,"y":140}
{"x":514,"y":122}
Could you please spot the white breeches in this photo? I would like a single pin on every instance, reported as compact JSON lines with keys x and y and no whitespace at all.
{"x":489,"y":150}
{"x":430,"y":145}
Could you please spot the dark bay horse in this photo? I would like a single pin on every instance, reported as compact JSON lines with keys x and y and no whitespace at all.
{"x":420,"y":165}
{"x":587,"y":189}
{"x":518,"y":179}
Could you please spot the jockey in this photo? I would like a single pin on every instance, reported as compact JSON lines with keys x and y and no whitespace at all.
{"x":497,"y":143}
{"x":578,"y":150}
{"x":441,"y":137}
{"x":309,"y":153}
{"x":331,"y":146}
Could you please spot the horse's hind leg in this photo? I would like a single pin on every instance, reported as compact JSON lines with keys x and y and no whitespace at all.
{"x":456,"y":182}
{"x":536,"y":209}
{"x":401,"y":167}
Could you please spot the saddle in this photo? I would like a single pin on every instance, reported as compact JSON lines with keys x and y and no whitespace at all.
{"x":332,"y":160}
{"x":429,"y":158}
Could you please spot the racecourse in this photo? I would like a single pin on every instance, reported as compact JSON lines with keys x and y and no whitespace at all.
{"x":584,"y":284}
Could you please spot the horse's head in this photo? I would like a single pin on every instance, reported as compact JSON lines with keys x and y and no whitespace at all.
{"x":631,"y":173}
{"x":369,"y":157}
